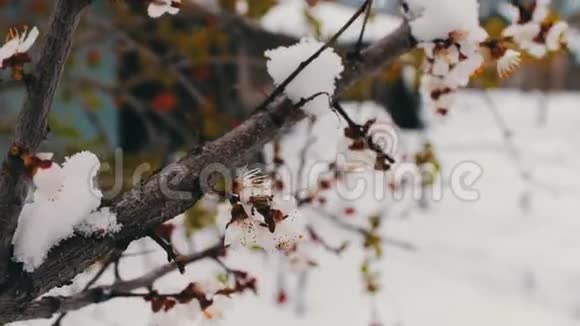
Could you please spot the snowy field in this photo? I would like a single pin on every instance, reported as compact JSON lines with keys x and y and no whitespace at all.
{"x":507,"y":258}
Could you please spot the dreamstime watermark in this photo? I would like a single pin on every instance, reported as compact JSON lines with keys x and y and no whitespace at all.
{"x":178,"y":181}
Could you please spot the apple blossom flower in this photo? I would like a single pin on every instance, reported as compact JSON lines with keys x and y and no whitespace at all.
{"x":13,"y":54}
{"x":532,"y":31}
{"x":255,"y":216}
{"x":252,"y":184}
{"x":451,"y":45}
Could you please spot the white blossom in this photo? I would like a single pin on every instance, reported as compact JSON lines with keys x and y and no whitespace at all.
{"x":450,"y":35}
{"x":573,"y":40}
{"x":535,"y":36}
{"x":48,"y":182}
{"x":244,"y":223}
{"x":508,"y":62}
{"x":248,"y":233}
{"x":18,"y":43}
{"x":555,"y":36}
{"x":253,"y":183}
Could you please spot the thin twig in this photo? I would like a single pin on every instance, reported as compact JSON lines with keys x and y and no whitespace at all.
{"x":359,"y":43}
{"x":303,"y":153}
{"x":113,"y":258}
{"x":362,"y":133}
{"x":514,"y":153}
{"x":58,"y":321}
{"x":171,"y":255}
{"x":193,"y":92}
{"x":117,"y":272}
{"x":401,"y":244}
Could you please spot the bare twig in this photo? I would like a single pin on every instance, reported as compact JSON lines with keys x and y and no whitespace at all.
{"x":171,"y":255}
{"x":113,"y":259}
{"x":359,"y":43}
{"x":47,"y":306}
{"x":193,"y":92}
{"x":401,"y":244}
{"x":362,"y":133}
{"x":513,"y":152}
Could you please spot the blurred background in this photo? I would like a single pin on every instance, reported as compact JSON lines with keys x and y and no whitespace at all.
{"x":156,"y":88}
{"x":165,"y":85}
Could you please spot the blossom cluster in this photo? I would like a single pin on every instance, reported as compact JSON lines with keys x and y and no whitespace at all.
{"x":533,"y":30}
{"x":257,"y":216}
{"x":451,"y":45}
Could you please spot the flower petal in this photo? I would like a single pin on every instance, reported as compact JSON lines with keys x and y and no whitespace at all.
{"x":28,"y":40}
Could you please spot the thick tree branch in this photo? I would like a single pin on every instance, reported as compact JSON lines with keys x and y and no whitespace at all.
{"x":146,"y":206}
{"x":31,"y":127}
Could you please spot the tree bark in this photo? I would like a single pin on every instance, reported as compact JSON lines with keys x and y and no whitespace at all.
{"x":32,"y":124}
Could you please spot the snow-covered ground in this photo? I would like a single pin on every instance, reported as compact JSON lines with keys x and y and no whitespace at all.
{"x":507,"y":258}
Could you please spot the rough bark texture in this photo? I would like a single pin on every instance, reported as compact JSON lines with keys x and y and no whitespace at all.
{"x":31,"y":128}
{"x":146,"y":206}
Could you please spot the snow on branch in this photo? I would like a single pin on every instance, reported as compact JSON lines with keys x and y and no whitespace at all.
{"x":145,"y":206}
{"x":64,"y":198}
{"x":319,"y":76}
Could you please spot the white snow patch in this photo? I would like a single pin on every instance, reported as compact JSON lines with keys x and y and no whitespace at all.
{"x":64,"y":197}
{"x":318,"y":76}
{"x":100,"y":223}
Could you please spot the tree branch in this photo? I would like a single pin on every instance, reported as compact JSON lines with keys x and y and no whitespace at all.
{"x":146,"y":206}
{"x":401,"y":244}
{"x":47,"y":306}
{"x":168,"y":248}
{"x":32,"y":123}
